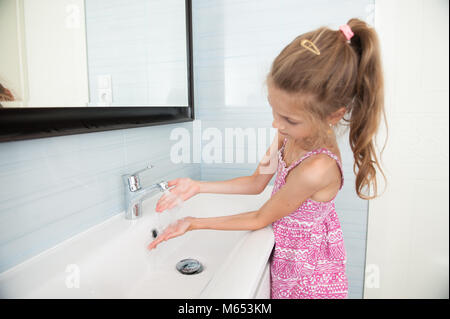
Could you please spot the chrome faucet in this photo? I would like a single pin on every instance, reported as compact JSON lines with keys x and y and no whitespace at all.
{"x":135,"y":194}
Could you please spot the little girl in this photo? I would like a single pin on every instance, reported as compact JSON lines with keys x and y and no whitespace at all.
{"x":313,"y":83}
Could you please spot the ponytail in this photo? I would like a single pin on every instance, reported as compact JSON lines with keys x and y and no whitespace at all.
{"x":367,"y":107}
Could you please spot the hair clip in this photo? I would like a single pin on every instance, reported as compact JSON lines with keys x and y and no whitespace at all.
{"x":308,"y":45}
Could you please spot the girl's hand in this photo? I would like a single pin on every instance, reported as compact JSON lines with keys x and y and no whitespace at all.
{"x":184,"y":188}
{"x":176,"y":229}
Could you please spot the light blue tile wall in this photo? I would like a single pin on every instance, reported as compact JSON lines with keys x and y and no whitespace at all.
{"x":235,"y":42}
{"x":54,"y":188}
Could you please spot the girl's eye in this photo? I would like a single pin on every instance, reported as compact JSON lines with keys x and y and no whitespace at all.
{"x":290,"y":122}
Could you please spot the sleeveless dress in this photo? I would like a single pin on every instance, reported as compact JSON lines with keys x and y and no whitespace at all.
{"x":308,"y":259}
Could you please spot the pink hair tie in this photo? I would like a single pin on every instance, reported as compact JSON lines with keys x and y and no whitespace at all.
{"x":347,"y":31}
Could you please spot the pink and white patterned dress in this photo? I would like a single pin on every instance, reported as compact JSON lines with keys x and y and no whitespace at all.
{"x":308,"y":260}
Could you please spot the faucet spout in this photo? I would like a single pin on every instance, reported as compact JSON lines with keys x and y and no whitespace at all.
{"x":135,"y":194}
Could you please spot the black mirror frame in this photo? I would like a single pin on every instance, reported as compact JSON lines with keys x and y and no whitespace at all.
{"x":30,"y":123}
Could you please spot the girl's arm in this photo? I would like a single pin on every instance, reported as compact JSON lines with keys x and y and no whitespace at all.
{"x":243,"y":221}
{"x":245,"y":185}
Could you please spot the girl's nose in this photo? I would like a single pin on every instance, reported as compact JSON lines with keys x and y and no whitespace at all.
{"x":276,"y":125}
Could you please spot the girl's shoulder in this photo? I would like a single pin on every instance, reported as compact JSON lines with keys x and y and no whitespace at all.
{"x":324,"y":167}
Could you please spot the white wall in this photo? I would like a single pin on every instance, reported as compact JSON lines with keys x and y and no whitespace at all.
{"x":407,"y":245}
{"x":12,"y":51}
{"x":9,"y":59}
{"x":56,"y":52}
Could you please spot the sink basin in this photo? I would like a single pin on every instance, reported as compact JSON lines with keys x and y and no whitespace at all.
{"x":110,"y":260}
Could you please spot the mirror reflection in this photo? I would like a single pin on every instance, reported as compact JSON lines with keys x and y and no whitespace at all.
{"x":63,"y":53}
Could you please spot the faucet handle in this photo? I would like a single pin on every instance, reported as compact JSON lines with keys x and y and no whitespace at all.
{"x":142,"y":170}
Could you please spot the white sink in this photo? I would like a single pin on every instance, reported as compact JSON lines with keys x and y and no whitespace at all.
{"x":110,"y":260}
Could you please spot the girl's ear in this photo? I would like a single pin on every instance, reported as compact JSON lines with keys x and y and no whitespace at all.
{"x":341,"y":112}
{"x":336,"y":116}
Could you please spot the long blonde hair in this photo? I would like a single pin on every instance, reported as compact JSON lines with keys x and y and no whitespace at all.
{"x":343,"y":74}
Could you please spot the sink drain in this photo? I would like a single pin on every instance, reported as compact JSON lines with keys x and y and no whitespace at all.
{"x":189,"y":266}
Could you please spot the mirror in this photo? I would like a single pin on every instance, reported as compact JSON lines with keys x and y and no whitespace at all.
{"x":94,"y":53}
{"x":70,"y":97}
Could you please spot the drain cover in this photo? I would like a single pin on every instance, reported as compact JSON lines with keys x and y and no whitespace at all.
{"x":189,"y":267}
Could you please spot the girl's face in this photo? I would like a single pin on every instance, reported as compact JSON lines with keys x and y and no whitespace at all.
{"x":287,"y":118}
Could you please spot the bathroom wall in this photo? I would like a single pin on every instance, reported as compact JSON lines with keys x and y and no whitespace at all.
{"x":407,"y":244}
{"x":234,"y":45}
{"x":54,"y":188}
